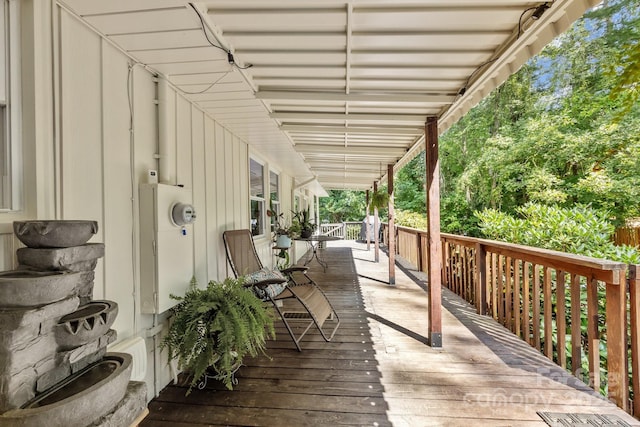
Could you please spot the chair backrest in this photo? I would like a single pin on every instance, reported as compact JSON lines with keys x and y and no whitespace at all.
{"x":241,"y":252}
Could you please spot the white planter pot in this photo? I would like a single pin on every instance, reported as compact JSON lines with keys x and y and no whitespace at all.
{"x":283,"y":241}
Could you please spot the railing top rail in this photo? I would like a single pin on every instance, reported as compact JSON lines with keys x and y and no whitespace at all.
{"x":551,"y":255}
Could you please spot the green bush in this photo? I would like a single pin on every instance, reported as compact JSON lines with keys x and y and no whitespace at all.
{"x":411,"y":219}
{"x":579,"y":230}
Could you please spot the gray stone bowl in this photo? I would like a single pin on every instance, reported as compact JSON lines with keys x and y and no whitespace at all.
{"x":27,"y":288}
{"x":78,"y":401}
{"x":54,"y":233}
{"x":86,"y":324}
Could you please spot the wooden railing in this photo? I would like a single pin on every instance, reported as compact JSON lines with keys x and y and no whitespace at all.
{"x":569,"y":307}
{"x":349,"y":230}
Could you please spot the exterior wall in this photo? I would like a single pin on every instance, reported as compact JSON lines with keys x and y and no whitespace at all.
{"x":99,"y":130}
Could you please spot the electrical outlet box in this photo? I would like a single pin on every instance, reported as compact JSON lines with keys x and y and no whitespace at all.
{"x":166,"y":249}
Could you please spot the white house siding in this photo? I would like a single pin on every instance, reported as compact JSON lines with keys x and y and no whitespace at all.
{"x":99,"y":164}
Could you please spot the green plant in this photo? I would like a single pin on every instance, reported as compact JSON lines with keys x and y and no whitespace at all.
{"x":379,"y":199}
{"x":214,"y":328}
{"x":302,"y":222}
{"x":281,"y":225}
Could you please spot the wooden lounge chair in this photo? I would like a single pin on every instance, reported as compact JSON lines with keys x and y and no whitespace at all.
{"x":294,"y":285}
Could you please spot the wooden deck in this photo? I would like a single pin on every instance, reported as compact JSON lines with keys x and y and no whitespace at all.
{"x":378,"y":370}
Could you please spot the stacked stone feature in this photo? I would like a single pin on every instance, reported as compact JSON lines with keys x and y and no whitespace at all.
{"x":30,"y":361}
{"x":53,"y":333}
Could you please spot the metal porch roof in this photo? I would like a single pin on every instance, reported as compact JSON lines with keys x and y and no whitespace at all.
{"x":336,"y":89}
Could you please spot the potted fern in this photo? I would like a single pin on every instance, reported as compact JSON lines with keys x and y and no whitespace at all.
{"x":214,"y":328}
{"x":379,"y":199}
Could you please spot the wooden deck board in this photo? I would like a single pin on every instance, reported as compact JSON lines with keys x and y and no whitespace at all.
{"x":378,"y":370}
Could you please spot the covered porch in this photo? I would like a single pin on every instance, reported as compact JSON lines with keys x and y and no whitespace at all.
{"x":379,"y":369}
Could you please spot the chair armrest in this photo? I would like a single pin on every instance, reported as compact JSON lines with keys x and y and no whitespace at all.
{"x":266,"y":282}
{"x":294,"y":270}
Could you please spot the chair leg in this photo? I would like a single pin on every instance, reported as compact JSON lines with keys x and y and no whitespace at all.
{"x":320,"y":322}
{"x":296,"y":341}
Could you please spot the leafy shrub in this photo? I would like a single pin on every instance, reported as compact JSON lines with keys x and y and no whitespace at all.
{"x":579,"y":230}
{"x":411,"y":219}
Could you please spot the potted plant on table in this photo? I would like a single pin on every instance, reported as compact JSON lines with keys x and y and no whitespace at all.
{"x":281,"y":231}
{"x":214,"y":328}
{"x":302,"y":222}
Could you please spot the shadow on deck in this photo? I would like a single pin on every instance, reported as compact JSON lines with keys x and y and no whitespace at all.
{"x":379,"y":371}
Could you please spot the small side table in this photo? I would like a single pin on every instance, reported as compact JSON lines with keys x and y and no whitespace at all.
{"x":314,"y":242}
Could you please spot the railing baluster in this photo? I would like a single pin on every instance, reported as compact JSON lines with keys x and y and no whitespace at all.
{"x":634,"y":296}
{"x":561,"y":320}
{"x":482,"y":266}
{"x":494,"y":285}
{"x":470,"y":269}
{"x":548,"y":319}
{"x":576,"y":323}
{"x":517,"y":314}
{"x":593,"y":334}
{"x":537,"y":271}
{"x":508,"y":294}
{"x":501,"y":289}
{"x":526,"y":305}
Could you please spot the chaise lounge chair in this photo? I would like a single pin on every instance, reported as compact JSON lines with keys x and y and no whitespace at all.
{"x":274,"y":287}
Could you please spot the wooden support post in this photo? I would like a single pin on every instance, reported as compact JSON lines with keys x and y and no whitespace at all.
{"x":481,"y":279}
{"x":391,"y":246}
{"x":634,"y":292}
{"x":367,"y":225}
{"x":434,"y":245}
{"x":376,"y":225}
{"x":617,"y":340}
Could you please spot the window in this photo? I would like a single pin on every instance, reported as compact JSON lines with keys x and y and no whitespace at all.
{"x":256,"y":182}
{"x":9,"y":106}
{"x":274,"y":200}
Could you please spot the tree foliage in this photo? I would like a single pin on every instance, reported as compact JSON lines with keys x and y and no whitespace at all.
{"x":343,"y":205}
{"x":563,"y":130}
{"x":557,"y":132}
{"x":579,"y":230}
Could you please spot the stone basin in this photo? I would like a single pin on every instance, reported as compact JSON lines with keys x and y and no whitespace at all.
{"x":54,"y":233}
{"x":86,"y":324}
{"x":78,"y":401}
{"x":29,"y":288}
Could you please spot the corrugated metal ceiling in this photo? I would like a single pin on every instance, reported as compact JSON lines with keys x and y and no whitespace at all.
{"x":335,"y":90}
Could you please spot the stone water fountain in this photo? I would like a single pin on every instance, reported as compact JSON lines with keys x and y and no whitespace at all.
{"x":54,"y":366}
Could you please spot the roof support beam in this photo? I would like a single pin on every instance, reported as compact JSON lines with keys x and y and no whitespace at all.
{"x":406,"y":118}
{"x":411,"y":131}
{"x":398,"y":98}
{"x":351,"y":151}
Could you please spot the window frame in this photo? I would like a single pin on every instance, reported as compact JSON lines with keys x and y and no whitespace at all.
{"x":274,"y":205}
{"x":260,"y":200}
{"x":11,"y":135}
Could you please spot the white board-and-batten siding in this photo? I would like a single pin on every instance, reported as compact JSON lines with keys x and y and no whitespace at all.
{"x":105,"y":116}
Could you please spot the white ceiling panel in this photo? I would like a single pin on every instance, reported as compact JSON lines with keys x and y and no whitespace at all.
{"x":153,"y":20}
{"x":161,"y":40}
{"x":332,"y":89}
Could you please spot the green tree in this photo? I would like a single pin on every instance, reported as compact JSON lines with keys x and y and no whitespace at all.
{"x":343,"y":205}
